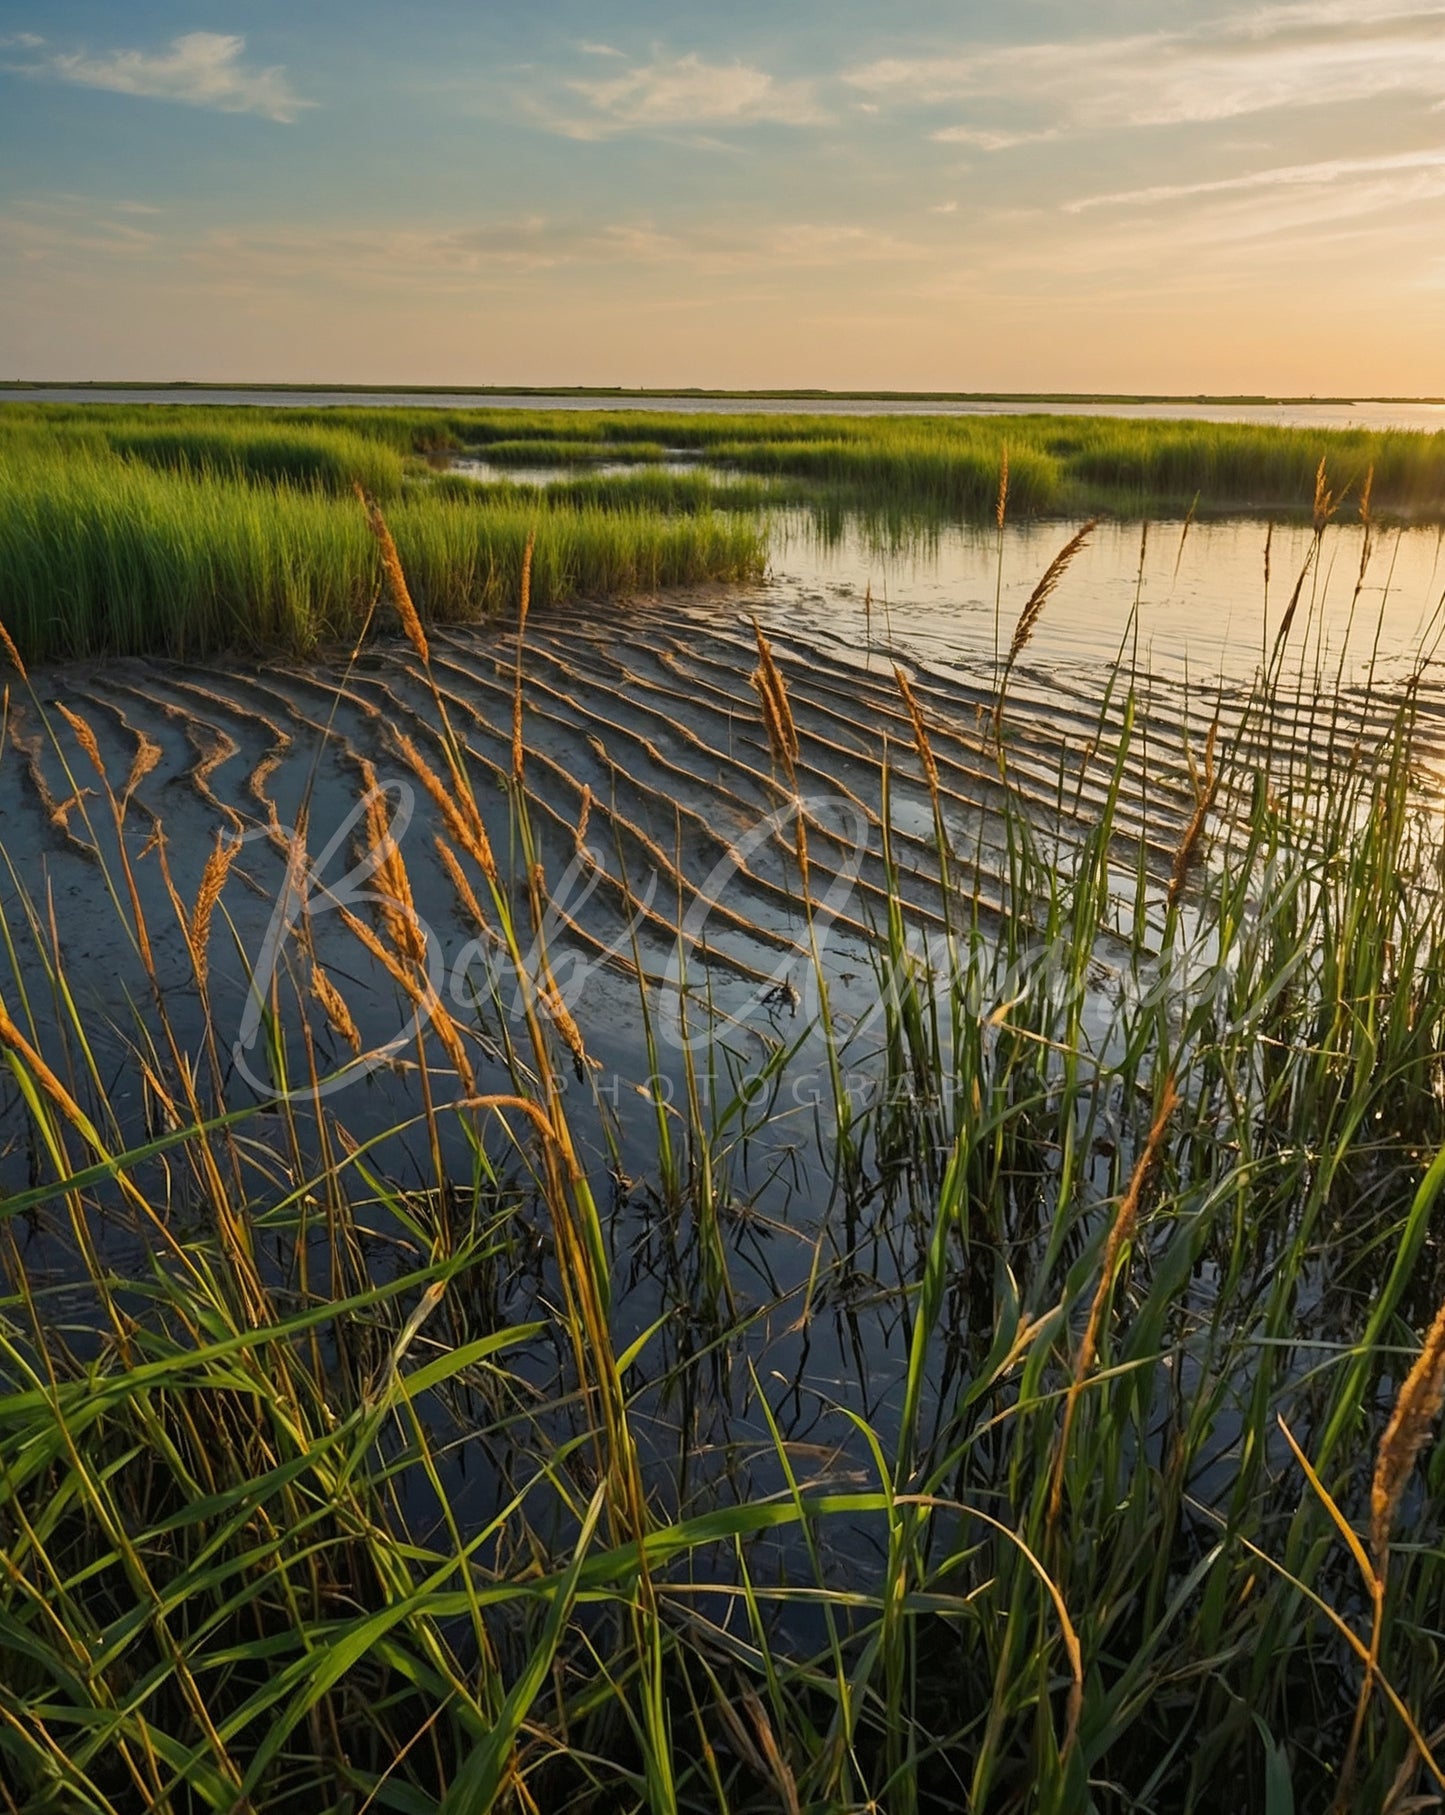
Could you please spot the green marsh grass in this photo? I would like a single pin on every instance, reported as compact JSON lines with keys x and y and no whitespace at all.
{"x":1070,"y":1559}
{"x":152,"y":528}
{"x":1058,"y":465}
{"x":149,"y":544}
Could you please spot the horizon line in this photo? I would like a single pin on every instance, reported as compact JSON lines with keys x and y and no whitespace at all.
{"x":866,"y":394}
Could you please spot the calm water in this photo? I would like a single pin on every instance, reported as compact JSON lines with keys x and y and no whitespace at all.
{"x":1362,"y":413}
{"x":1204,"y":610}
{"x":1186,"y":603}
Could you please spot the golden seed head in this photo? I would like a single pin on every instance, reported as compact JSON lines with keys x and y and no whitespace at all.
{"x":800,"y":846}
{"x":1417,"y":1406}
{"x":561,"y":1018}
{"x":920,"y":731}
{"x":8,"y":645}
{"x":455,"y":805}
{"x":147,"y":754}
{"x":1326,"y":503}
{"x":337,"y":1013}
{"x":1205,"y":789}
{"x":213,"y":881}
{"x":466,"y":894}
{"x":1120,"y":1232}
{"x":519,"y":748}
{"x":525,"y":590}
{"x":777,"y":711}
{"x":1038,"y":598}
{"x":393,"y":896}
{"x":401,"y":598}
{"x":84,"y":736}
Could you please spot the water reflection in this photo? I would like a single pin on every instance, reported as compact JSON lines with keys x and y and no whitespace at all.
{"x":1205,"y":610}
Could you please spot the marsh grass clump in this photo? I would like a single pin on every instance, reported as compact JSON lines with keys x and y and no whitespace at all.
{"x":950,"y":465}
{"x":104,"y":552}
{"x":331,"y":461}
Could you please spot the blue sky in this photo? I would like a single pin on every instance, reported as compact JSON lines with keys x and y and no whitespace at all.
{"x":1027,"y":196}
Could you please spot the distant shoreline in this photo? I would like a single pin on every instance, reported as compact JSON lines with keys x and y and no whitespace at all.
{"x":1259,"y":399}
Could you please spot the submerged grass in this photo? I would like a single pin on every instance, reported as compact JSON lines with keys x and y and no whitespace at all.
{"x":338,"y":1486}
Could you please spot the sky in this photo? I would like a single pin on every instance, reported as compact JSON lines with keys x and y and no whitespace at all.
{"x":1173,"y":197}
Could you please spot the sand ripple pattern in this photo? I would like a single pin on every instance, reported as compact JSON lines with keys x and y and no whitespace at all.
{"x":646,"y":723}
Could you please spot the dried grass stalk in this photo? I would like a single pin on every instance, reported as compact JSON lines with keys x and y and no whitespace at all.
{"x":1367,"y":540}
{"x":84,"y":736}
{"x":1288,"y":619}
{"x":401,"y":598}
{"x":1001,"y":508}
{"x":519,"y":754}
{"x":213,"y":881}
{"x":777,"y":712}
{"x":11,"y":1036}
{"x":1184,"y":533}
{"x":466,"y":894}
{"x":1205,"y":789}
{"x":8,"y":645}
{"x":337,"y":1013}
{"x":533,"y":1112}
{"x":1033,"y":610}
{"x":779,"y":1769}
{"x":584,"y":818}
{"x":525,"y":590}
{"x":1417,"y":1406}
{"x":561,"y":1018}
{"x":1039,"y":597}
{"x":147,"y":755}
{"x":1124,"y":1224}
{"x":421,"y":997}
{"x":393,"y":895}
{"x":455,"y":805}
{"x":1326,"y":503}
{"x":920,"y":731}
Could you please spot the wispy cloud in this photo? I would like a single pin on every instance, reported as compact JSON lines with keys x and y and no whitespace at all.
{"x":462,"y":260}
{"x":682,"y":92}
{"x":39,"y":236}
{"x":1319,"y":15}
{"x":1341,"y":222}
{"x":200,"y":69}
{"x":1296,"y":55}
{"x":985,"y":140}
{"x":504,"y":250}
{"x":1283,"y":176}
